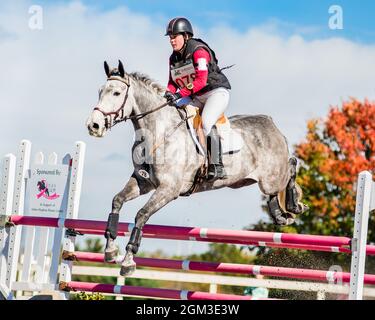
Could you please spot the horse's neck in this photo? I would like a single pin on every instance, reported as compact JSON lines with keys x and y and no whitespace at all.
{"x":157,"y":122}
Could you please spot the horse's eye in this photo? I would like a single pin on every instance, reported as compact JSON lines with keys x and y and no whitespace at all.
{"x":116,"y":93}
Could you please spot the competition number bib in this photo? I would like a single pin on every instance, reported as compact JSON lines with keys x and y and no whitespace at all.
{"x":183,"y":75}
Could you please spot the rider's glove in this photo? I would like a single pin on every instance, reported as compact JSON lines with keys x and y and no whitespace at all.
{"x":172,"y":97}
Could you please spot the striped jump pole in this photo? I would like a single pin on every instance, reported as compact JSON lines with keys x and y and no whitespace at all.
{"x":150,"y":292}
{"x":274,"y":239}
{"x":187,"y":265}
{"x":370,"y":249}
{"x":188,"y":232}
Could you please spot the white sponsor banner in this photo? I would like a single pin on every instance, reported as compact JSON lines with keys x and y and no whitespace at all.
{"x":47,"y":190}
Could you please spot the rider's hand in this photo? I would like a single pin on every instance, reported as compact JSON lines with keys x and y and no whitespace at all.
{"x":172,"y":97}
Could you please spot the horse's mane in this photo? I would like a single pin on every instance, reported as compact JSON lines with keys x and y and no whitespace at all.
{"x":147,"y":82}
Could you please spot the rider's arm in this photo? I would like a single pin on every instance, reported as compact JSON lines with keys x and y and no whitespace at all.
{"x":171,"y":85}
{"x":201,"y":58}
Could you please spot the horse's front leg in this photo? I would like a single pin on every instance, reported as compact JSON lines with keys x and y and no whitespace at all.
{"x":132,"y":190}
{"x":162,"y":196}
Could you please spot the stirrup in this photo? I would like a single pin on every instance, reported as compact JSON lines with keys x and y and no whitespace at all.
{"x":215,"y":172}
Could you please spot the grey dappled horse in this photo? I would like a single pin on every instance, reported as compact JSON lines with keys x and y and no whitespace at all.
{"x":166,"y":160}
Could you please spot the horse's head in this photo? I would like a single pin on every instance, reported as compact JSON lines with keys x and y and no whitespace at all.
{"x":115,"y":101}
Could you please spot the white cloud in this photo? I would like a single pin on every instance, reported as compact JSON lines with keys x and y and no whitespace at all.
{"x":49,"y":81}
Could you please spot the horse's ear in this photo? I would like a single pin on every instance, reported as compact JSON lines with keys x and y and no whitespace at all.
{"x":121,"y":69}
{"x":106,"y":68}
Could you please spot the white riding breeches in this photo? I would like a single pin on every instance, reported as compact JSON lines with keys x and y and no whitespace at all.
{"x":213,"y":103}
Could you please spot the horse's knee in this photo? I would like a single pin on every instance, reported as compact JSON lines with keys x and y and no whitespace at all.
{"x":117,"y":202}
{"x":131,"y":190}
{"x":141,"y":218}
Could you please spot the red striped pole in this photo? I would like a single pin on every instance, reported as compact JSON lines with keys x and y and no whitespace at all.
{"x":371,"y":249}
{"x":307,"y":242}
{"x":150,"y":292}
{"x":190,"y":232}
{"x":308,"y":274}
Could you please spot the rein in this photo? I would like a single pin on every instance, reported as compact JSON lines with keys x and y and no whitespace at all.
{"x":119,"y":113}
{"x":141,"y":115}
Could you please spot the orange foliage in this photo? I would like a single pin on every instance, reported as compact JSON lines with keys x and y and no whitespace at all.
{"x":335,"y":151}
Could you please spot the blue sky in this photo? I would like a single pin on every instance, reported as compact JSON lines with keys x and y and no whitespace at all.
{"x":359,"y":24}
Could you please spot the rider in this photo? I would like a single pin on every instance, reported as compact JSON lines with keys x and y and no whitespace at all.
{"x":195,"y":79}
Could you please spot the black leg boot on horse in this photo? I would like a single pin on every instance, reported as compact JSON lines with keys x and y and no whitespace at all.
{"x":293,"y":191}
{"x":110,"y":234}
{"x":134,"y":188}
{"x":215,"y":157}
{"x":128,"y":265}
{"x":283,"y":213}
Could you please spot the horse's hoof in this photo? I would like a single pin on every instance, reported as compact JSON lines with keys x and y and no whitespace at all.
{"x":127,"y":270}
{"x":289,"y":221}
{"x":111,"y":251}
{"x":305,"y":208}
{"x":283,"y":220}
{"x":280,"y":221}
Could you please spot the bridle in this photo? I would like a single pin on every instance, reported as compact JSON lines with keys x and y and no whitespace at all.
{"x":118,"y":115}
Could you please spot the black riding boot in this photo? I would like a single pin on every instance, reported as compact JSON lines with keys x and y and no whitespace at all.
{"x":215,"y":160}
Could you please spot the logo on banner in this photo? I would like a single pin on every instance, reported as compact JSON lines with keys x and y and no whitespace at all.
{"x":45,"y":191}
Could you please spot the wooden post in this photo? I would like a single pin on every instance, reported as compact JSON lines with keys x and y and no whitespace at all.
{"x":72,"y":210}
{"x":6,"y":202}
{"x":362,"y":209}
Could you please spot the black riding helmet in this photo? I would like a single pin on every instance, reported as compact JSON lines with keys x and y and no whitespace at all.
{"x":179,"y":25}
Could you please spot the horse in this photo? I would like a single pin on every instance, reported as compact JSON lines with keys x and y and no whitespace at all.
{"x":43,"y":187}
{"x":166,"y":160}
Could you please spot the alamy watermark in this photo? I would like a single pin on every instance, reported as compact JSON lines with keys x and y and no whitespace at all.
{"x":36,"y":17}
{"x":336,"y":20}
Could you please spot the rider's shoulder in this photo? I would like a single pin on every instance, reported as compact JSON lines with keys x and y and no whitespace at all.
{"x":201,"y":53}
{"x":197,"y":43}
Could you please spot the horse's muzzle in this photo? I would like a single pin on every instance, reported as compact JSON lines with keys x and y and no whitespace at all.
{"x":95,"y":129}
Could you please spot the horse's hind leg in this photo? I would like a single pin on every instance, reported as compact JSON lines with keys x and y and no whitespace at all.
{"x":293,"y":191}
{"x":132,"y":190}
{"x":274,"y":184}
{"x":277,"y":214}
{"x":162,"y":196}
{"x":283,"y":206}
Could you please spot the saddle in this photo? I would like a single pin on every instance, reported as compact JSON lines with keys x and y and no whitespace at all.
{"x":231,"y":141}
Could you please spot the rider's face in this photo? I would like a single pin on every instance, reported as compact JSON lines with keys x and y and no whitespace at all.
{"x":177,"y":41}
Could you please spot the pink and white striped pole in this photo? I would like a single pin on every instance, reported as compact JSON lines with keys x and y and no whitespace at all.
{"x":150,"y":292}
{"x":298,"y":241}
{"x":191,"y":232}
{"x":307,"y":274}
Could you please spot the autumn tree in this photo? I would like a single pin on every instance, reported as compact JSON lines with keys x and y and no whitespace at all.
{"x":335,"y":151}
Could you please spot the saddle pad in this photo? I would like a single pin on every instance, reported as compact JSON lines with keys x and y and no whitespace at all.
{"x":231,"y":141}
